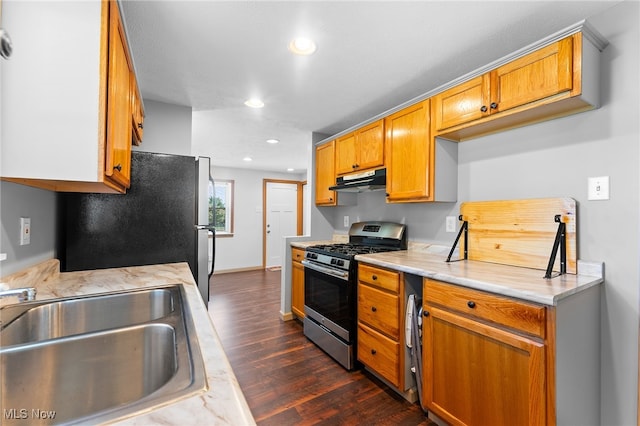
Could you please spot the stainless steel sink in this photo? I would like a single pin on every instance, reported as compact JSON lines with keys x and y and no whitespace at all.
{"x":98,"y":370}
{"x":41,"y":320}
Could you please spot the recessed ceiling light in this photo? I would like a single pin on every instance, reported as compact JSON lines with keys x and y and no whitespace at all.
{"x":289,"y":169}
{"x":272,"y":141}
{"x":247,"y":159}
{"x":254,"y":103}
{"x":302,"y":46}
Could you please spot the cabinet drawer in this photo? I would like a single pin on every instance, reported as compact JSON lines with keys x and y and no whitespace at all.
{"x":523,"y":316}
{"x":379,"y":309}
{"x":297,"y":254}
{"x":382,"y":278}
{"x":379,"y":353}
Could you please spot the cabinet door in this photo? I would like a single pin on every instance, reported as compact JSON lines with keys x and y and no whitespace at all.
{"x":118,"y":143}
{"x":346,"y":154}
{"x":409,"y":154}
{"x":325,"y":174}
{"x":297,"y":289}
{"x":538,"y":75}
{"x":380,"y":353}
{"x":476,"y":374}
{"x":370,"y":141}
{"x":137,"y":112}
{"x":380,"y":310}
{"x":463,"y":103}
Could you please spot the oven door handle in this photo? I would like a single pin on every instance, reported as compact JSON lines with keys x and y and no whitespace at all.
{"x":343,"y":275}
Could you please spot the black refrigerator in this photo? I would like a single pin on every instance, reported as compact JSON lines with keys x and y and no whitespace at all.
{"x":163,"y":218}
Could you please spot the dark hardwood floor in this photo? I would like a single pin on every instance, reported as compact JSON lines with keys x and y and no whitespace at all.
{"x":285,"y":378}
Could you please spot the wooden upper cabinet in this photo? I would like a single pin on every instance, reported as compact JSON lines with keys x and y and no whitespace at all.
{"x":118,"y":142}
{"x":325,"y":174}
{"x":346,"y":154}
{"x":409,"y":154}
{"x":519,"y":92}
{"x":479,"y":369}
{"x":137,"y":112}
{"x":462,"y":103}
{"x":78,"y":136}
{"x":538,"y":75}
{"x":361,"y":150}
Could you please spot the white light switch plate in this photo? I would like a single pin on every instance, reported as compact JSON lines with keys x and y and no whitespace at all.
{"x":598,"y":188}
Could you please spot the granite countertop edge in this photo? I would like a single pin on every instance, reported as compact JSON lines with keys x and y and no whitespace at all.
{"x":429,"y":261}
{"x":522,"y":283}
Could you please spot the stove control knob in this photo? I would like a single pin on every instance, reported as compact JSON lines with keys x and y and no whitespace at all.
{"x":334,"y":261}
{"x":340,"y":263}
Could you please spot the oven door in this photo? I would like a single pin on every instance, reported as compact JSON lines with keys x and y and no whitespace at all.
{"x":329,"y":299}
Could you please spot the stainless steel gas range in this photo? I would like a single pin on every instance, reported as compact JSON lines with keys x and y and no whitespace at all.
{"x":331,"y":283}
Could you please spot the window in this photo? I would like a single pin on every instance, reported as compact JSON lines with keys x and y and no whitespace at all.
{"x":221,"y":207}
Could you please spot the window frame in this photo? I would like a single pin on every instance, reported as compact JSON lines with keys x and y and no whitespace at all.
{"x":229,"y":188}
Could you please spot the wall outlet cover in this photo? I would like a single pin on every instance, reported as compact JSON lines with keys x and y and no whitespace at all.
{"x":450,"y":224}
{"x":25,"y":231}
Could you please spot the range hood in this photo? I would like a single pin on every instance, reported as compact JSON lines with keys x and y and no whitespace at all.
{"x":372,"y":180}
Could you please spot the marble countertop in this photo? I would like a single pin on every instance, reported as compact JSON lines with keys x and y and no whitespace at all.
{"x":305,"y":244}
{"x":222,"y":404}
{"x":429,"y":260}
{"x":522,"y":283}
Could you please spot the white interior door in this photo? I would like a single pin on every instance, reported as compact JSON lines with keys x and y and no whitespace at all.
{"x":282,"y":216}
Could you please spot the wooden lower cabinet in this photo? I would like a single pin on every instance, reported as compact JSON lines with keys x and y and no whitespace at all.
{"x":494,"y":360}
{"x":477,"y":368}
{"x":297,"y":282}
{"x":380,"y":319}
{"x":479,"y":374}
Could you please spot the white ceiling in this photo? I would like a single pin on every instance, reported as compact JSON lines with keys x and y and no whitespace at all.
{"x":371,"y":57}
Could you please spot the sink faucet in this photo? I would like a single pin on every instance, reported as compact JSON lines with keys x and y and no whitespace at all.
{"x":23,"y":294}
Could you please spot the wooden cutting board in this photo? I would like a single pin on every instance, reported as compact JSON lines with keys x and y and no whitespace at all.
{"x":519,"y":232}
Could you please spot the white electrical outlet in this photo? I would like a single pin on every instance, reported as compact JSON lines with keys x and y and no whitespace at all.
{"x":450,"y":224}
{"x":25,"y":231}
{"x":346,"y":221}
{"x":598,"y":188}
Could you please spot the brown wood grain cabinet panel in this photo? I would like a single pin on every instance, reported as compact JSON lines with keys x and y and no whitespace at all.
{"x":543,"y":73}
{"x":462,"y":103}
{"x":297,"y":282}
{"x":346,"y":154}
{"x":476,"y":374}
{"x":361,"y":150}
{"x":379,"y":309}
{"x":383,"y":278}
{"x":379,"y":353}
{"x":118,"y":144}
{"x":325,"y":174}
{"x":137,"y":112}
{"x":371,"y":145}
{"x":410,"y":154}
{"x":525,"y":90}
{"x":525,"y":317}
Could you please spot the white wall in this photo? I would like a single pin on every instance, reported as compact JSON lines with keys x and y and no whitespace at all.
{"x":554,"y":159}
{"x":167,"y":129}
{"x":38,"y":204}
{"x":244,"y":249}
